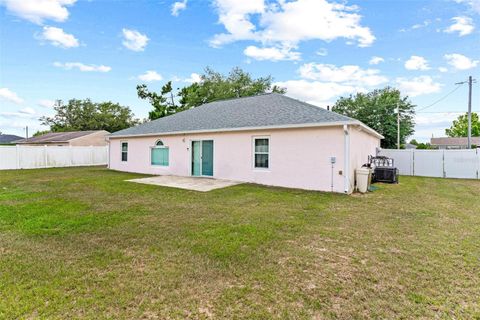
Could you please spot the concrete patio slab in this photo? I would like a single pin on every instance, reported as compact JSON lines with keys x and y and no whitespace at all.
{"x":189,"y":183}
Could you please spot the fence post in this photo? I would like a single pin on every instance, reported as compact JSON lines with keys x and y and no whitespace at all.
{"x":71,"y":154}
{"x":91,"y":156}
{"x":17,"y":160}
{"x":443,"y":164}
{"x":413,"y":162}
{"x":45,"y":155}
{"x":478,"y":161}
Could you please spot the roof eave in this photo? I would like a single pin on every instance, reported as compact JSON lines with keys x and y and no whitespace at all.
{"x":369,"y":130}
{"x":275,"y":127}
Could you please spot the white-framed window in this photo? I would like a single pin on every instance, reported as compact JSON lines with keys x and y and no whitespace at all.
{"x":261,"y":152}
{"x":159,"y":154}
{"x":124,"y":150}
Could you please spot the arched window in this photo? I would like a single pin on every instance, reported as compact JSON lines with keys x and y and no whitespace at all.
{"x":159,"y":154}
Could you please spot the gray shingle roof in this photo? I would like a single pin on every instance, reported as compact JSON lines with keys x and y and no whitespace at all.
{"x":453,"y":141}
{"x":56,"y":137}
{"x":267,"y":110}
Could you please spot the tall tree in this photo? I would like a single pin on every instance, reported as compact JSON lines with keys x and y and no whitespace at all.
{"x":216,"y":86}
{"x":212,"y":86}
{"x":163,"y":103}
{"x":378,"y":110}
{"x":459,"y":127}
{"x":87,"y":115}
{"x":40,"y":133}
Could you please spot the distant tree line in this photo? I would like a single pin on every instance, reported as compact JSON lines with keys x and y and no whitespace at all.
{"x":82,"y":115}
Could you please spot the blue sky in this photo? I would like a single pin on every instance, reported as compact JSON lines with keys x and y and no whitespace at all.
{"x":317,"y":49}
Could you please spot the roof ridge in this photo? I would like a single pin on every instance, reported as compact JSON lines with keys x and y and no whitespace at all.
{"x":238,"y":98}
{"x":316,"y":107}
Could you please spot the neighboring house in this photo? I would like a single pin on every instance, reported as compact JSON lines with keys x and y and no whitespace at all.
{"x":72,"y":138}
{"x":9,"y":138}
{"x":453,"y":143}
{"x":267,"y":139}
{"x":410,"y":146}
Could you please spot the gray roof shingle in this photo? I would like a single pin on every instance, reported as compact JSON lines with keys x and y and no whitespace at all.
{"x":453,"y":141}
{"x":266,"y":110}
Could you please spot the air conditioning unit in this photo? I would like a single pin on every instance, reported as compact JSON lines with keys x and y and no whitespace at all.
{"x":385,"y":174}
{"x":384,"y":170}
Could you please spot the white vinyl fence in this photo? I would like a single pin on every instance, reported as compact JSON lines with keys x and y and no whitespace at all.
{"x":436,"y":163}
{"x":32,"y":157}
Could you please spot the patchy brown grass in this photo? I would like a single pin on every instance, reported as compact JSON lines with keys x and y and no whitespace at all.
{"x":83,"y":243}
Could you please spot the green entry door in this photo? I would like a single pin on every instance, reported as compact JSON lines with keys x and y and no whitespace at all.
{"x":202,"y":158}
{"x":207,"y":158}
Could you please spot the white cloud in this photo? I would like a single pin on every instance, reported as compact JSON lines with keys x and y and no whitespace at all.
{"x":37,"y":11}
{"x":462,"y":25}
{"x":416,"y":63}
{"x":11,"y":96}
{"x":376,"y":60}
{"x":322,"y":52}
{"x":272,"y":53}
{"x":27,"y":110}
{"x":45,"y":103}
{"x":59,"y":38}
{"x":424,"y":24}
{"x":82,"y":67}
{"x":348,"y":74}
{"x":460,"y":62}
{"x":285,"y":24}
{"x":134,"y":40}
{"x":321,"y":84}
{"x":26,"y":113}
{"x":178,"y":6}
{"x":317,"y":92}
{"x":418,"y":86}
{"x":150,"y":75}
{"x":474,"y":4}
{"x":434,"y":124}
{"x":443,"y":69}
{"x":194,"y":78}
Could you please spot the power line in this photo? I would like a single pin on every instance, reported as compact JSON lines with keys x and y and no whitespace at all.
{"x":462,"y":112}
{"x":442,"y":98}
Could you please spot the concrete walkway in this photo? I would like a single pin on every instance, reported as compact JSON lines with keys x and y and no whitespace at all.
{"x":189,"y":183}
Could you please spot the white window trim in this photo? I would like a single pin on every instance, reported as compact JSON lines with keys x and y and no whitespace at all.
{"x":159,"y":147}
{"x":121,"y":151}
{"x":268,"y":153}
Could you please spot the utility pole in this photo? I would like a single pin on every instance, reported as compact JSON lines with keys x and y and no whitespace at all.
{"x":398,"y":126}
{"x":470,"y":81}
{"x":26,"y":131}
{"x":469,"y":143}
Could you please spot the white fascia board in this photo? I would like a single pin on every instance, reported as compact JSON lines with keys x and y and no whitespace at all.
{"x":290,"y":126}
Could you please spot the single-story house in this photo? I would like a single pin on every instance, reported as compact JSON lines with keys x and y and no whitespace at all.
{"x":453,"y":142}
{"x":71,"y":138}
{"x":9,"y":138}
{"x":268,"y":139}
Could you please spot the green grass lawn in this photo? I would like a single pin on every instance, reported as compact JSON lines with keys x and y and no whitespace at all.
{"x":83,"y":243}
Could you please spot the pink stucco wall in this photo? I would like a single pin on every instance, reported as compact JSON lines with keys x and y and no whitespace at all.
{"x":299,"y":158}
{"x":362,"y":144}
